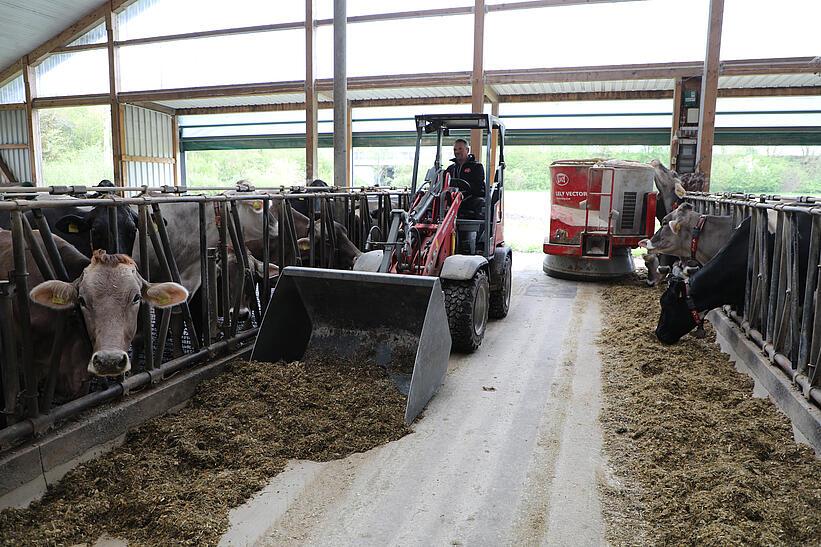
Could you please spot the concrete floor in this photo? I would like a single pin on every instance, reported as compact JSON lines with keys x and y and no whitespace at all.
{"x":508,"y":451}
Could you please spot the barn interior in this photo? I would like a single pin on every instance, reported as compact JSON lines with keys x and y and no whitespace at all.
{"x":275,"y":176}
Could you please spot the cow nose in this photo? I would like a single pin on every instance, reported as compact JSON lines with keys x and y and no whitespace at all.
{"x":645,"y":243}
{"x":109,"y":363}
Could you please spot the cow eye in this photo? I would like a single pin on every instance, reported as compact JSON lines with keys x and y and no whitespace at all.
{"x":137,"y":298}
{"x":82,"y":302}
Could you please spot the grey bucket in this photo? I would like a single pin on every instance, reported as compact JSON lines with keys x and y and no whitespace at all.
{"x":387,"y":319}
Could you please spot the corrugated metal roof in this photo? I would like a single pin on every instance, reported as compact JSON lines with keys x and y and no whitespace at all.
{"x":532,"y":88}
{"x":281,"y":98}
{"x":28,"y":23}
{"x":582,"y":87}
{"x":770,"y":80}
{"x":402,"y":93}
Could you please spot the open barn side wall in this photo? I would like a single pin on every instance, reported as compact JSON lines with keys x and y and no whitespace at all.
{"x":782,"y":323}
{"x":14,"y":151}
{"x":149,"y":147}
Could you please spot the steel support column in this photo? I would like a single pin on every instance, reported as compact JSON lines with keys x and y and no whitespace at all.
{"x":311,"y":103}
{"x":340,"y":95}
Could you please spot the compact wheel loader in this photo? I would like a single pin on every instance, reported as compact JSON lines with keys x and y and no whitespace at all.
{"x":428,"y":285}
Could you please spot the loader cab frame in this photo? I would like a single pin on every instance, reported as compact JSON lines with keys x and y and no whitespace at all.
{"x":488,"y":230}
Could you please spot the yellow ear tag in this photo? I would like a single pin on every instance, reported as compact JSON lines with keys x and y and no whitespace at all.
{"x":257,"y":205}
{"x":73,"y":229}
{"x":163,"y":299}
{"x":59,"y":300}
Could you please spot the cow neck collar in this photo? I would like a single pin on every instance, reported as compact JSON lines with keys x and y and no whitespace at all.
{"x":691,"y":306}
{"x":696,"y":235}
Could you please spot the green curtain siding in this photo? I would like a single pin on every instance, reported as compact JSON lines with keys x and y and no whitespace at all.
{"x":747,"y":136}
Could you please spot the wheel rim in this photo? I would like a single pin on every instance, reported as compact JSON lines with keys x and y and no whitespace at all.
{"x":508,"y":284}
{"x":480,"y":310}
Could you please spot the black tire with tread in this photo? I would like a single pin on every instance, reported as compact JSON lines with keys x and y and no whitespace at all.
{"x":460,"y":297}
{"x":500,"y":298}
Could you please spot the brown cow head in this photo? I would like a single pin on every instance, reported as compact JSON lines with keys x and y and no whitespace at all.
{"x":675,"y":233}
{"x":109,"y":293}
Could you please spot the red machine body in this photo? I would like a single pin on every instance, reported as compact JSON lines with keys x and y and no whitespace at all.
{"x":434,"y":237}
{"x":599,"y":211}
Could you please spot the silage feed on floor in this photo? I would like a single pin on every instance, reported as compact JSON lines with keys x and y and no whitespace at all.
{"x":175,"y":479}
{"x":695,"y":458}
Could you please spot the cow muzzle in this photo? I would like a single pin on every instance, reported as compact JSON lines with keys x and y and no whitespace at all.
{"x":646,"y":243}
{"x":109,"y":363}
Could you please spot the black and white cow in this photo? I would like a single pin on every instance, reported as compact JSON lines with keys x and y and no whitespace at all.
{"x":721,"y":281}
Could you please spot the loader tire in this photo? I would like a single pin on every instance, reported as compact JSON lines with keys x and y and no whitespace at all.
{"x":500,"y":297}
{"x":466,"y":303}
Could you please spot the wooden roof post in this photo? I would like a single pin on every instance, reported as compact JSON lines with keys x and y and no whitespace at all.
{"x":709,"y":91}
{"x":117,"y":135}
{"x":477,"y":79}
{"x":311,"y":104}
{"x":349,"y":129}
{"x":340,"y":95}
{"x":32,"y":124}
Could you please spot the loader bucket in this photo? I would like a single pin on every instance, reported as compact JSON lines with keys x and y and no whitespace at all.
{"x":394,"y":321}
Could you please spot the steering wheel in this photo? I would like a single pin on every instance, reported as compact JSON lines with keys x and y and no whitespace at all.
{"x":461,"y":184}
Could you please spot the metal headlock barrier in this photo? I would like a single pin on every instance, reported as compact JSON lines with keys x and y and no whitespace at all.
{"x":27,"y":406}
{"x":782,"y":311}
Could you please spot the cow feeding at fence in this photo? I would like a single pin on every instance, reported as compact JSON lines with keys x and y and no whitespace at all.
{"x":221,"y":249}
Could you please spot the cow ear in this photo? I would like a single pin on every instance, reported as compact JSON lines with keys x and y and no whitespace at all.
{"x":54,"y":294}
{"x":304,"y":244}
{"x":164,"y":295}
{"x":254,"y":204}
{"x":680,"y":191}
{"x":675,"y":226}
{"x":72,"y":224}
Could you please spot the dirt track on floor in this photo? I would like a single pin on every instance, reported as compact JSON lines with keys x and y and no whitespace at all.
{"x":696,"y":459}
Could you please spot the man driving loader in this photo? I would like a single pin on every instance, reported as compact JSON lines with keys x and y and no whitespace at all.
{"x":466,"y":167}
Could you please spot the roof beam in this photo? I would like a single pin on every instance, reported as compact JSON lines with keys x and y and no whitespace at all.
{"x":491,"y":94}
{"x":161,"y":108}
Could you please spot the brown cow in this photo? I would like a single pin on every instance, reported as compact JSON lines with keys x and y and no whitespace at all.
{"x":108,"y":290}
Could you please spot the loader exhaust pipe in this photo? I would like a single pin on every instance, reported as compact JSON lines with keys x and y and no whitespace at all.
{"x":397,"y":322}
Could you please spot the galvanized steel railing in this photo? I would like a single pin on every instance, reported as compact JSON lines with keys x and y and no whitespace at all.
{"x":27,"y":407}
{"x":785,"y":325}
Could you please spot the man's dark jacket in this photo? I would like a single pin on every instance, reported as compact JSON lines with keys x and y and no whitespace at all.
{"x":472,"y":172}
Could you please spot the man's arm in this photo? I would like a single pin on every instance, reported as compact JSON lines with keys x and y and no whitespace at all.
{"x":477,"y":181}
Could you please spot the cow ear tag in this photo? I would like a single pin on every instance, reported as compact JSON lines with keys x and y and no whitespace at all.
{"x":72,"y":229}
{"x":58,"y":299}
{"x":163,"y":300}
{"x":257,"y":205}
